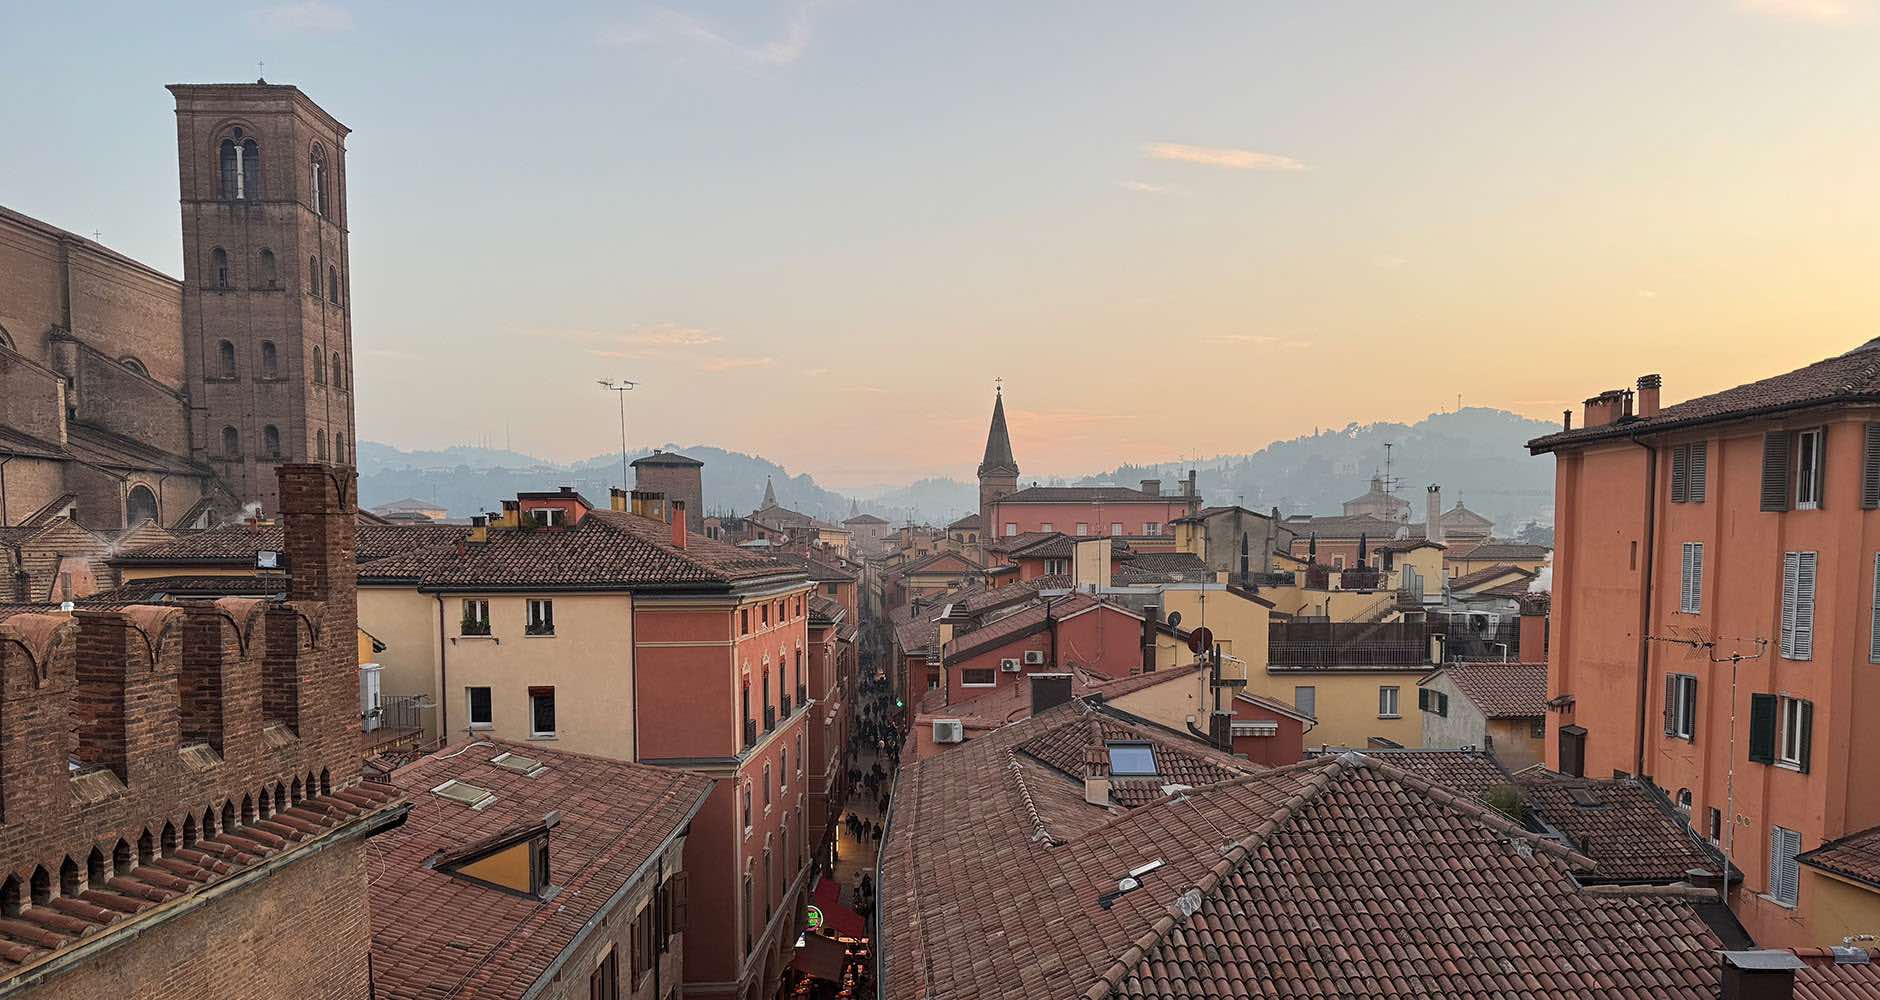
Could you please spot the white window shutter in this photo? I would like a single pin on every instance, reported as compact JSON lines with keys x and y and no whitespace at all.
{"x":1873,"y":625}
{"x":1697,"y":577}
{"x":1790,"y":562}
{"x":1805,"y":606}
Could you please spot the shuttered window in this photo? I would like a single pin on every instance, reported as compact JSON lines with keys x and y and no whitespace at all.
{"x":1680,"y":473}
{"x":1798,"y":606}
{"x":1762,"y":728}
{"x":1785,"y":873}
{"x":1691,"y":584}
{"x":1775,"y":471}
{"x":1690,"y":464}
{"x":1797,"y":724}
{"x":1870,"y":468}
{"x":1681,"y":706}
{"x":1810,"y":463}
{"x":1873,"y":624}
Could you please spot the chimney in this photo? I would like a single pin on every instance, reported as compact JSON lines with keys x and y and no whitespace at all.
{"x":1767,"y":974}
{"x":1048,"y":691}
{"x":1433,"y":515}
{"x":617,"y":499}
{"x":1152,"y":487}
{"x":1533,"y":632}
{"x":1566,"y":420}
{"x":1648,"y":386}
{"x":1151,"y":617}
{"x":318,"y":521}
{"x":1604,"y":408}
{"x":479,"y":528}
{"x":1192,"y":492}
{"x":678,"y":524}
{"x":1097,"y":776}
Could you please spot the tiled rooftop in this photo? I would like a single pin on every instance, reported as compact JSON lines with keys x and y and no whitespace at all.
{"x":1080,"y":494}
{"x":1471,"y":772}
{"x":1855,"y":856}
{"x":1500,"y":690}
{"x":1471,"y":581}
{"x":1498,"y":550}
{"x":434,"y":935}
{"x":1631,"y":832}
{"x":238,"y":543}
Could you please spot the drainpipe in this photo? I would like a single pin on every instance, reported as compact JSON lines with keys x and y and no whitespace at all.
{"x":1645,"y":601}
{"x":3,"y":489}
{"x":443,"y":676}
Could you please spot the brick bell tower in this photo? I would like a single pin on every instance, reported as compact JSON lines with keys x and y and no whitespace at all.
{"x":267,"y":303}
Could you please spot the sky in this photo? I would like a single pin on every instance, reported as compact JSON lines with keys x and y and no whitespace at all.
{"x":818,"y":231}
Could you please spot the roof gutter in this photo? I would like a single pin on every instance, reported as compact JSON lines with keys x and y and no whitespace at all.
{"x":1537,"y":447}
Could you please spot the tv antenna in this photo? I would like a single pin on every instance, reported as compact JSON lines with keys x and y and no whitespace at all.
{"x":1390,"y":482}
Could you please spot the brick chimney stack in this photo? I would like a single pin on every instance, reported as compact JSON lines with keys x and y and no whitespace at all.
{"x":1433,"y":516}
{"x":1152,"y":487}
{"x":678,"y":523}
{"x":1648,"y":387}
{"x":318,"y":521}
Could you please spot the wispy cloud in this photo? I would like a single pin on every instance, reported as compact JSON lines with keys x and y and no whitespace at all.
{"x":1144,"y":187}
{"x":1817,"y":11}
{"x":303,"y":18}
{"x":1256,"y":340}
{"x":725,"y":364}
{"x":1227,"y":159}
{"x":389,"y":354}
{"x":864,"y":388}
{"x":1390,"y":262}
{"x":666,"y":27}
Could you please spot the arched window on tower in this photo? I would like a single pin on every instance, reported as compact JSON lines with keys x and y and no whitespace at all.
{"x":270,"y":360}
{"x":318,"y":190}
{"x":271,"y":441}
{"x":231,"y":443}
{"x":269,"y":274}
{"x":332,"y":285}
{"x":225,"y":358}
{"x":313,"y":276}
{"x":218,"y":267}
{"x":239,"y":167}
{"x":339,"y":371}
{"x":319,"y":367}
{"x":140,"y":505}
{"x":319,"y":447}
{"x":339,"y":448}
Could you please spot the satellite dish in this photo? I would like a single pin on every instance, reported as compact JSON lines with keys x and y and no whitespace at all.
{"x":1174,"y":619}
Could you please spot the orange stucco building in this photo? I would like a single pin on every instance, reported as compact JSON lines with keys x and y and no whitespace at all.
{"x":1714,"y":613}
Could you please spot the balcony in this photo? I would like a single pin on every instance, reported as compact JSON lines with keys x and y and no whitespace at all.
{"x":750,"y":733}
{"x":1322,"y":645}
{"x":770,"y":717}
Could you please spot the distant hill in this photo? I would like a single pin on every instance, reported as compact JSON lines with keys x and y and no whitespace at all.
{"x":1476,"y":454}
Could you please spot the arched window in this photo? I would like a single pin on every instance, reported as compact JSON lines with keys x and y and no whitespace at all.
{"x":140,"y":505}
{"x":270,"y":360}
{"x":339,"y":448}
{"x":225,"y":354}
{"x":319,"y":449}
{"x":271,"y":441}
{"x":134,"y":365}
{"x":339,"y":371}
{"x":319,"y":366}
{"x":218,"y":267}
{"x":239,"y":163}
{"x":332,"y":284}
{"x":231,"y":443}
{"x":270,"y":275}
{"x":318,"y":188}
{"x":313,"y":276}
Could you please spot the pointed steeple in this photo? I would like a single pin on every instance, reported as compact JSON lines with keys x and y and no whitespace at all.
{"x":770,"y":495}
{"x":998,"y":460}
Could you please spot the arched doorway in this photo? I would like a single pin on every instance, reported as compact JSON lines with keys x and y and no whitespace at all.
{"x":139,"y":506}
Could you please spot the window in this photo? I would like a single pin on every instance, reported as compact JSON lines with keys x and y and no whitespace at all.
{"x":1808,"y":466}
{"x":476,"y":617}
{"x":766,"y":786}
{"x":319,"y":447}
{"x":1116,"y":527}
{"x":339,"y":448}
{"x":1691,"y":585}
{"x":332,"y":284}
{"x":1433,"y":701}
{"x":749,"y":916}
{"x":271,"y":441}
{"x":1684,"y":802}
{"x":1306,"y":699}
{"x":1715,"y":823}
{"x":1796,"y":718}
{"x":1338,"y":562}
{"x":267,"y":273}
{"x":604,"y":982}
{"x":1798,"y":606}
{"x":479,"y":698}
{"x":134,"y":365}
{"x":270,"y":360}
{"x":231,"y":443}
{"x":1690,"y":472}
{"x":744,"y":621}
{"x":978,"y":677}
{"x":225,"y":358}
{"x":1083,"y":528}
{"x":1011,"y":528}
{"x":799,"y":753}
{"x":1681,"y":706}
{"x":239,"y":163}
{"x":1151,"y":528}
{"x":1539,"y":729}
{"x":830,"y":589}
{"x":319,"y":366}
{"x":1387,"y":702}
{"x":541,"y":617}
{"x":1131,"y":759}
{"x":218,"y":267}
{"x":542,"y":711}
{"x":745,"y":799}
{"x":318,"y":188}
{"x":339,"y":371}
{"x":139,"y":506}
{"x":546,"y":517}
{"x":1785,"y":874}
{"x":1047,"y":526}
{"x":763,"y":615}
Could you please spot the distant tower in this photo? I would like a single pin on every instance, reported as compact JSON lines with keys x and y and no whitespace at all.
{"x":770,"y":495}
{"x":998,"y":471}
{"x":267,"y":303}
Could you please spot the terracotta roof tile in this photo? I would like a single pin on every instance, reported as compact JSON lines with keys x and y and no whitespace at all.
{"x":1837,"y":974}
{"x":1630,"y":831}
{"x":1855,"y":856}
{"x":1500,"y":690}
{"x":1470,"y":581}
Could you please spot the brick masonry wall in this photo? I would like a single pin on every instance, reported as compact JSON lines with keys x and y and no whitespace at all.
{"x":302,"y":932}
{"x":616,"y":932}
{"x":677,"y":483}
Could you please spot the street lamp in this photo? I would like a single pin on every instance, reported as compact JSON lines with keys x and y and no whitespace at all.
{"x":620,"y":387}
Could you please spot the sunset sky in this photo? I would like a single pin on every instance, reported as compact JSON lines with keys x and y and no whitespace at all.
{"x":818,"y":231}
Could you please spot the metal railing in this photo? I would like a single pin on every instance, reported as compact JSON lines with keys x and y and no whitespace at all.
{"x":750,"y":733}
{"x":1324,"y":645}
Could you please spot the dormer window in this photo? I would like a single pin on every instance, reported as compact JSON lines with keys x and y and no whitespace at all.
{"x":1131,"y":759}
{"x":515,"y":860}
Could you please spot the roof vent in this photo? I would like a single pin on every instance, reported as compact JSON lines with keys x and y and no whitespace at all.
{"x":1850,"y":955}
{"x":464,"y":794}
{"x":516,"y":762}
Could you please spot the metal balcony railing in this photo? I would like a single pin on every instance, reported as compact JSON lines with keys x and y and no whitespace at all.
{"x":750,"y":733}
{"x":770,"y":717}
{"x":785,"y":711}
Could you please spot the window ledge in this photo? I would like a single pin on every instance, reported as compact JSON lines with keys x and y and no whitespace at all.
{"x":1788,"y":765}
{"x":1785,"y":904}
{"x":474,"y":638}
{"x":544,"y":737}
{"x":538,"y":635}
{"x":482,"y":726}
{"x":1390,"y":716}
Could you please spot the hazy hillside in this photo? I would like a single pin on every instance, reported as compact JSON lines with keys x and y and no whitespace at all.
{"x":1476,"y":454}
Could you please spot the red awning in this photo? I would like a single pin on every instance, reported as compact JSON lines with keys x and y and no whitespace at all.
{"x":837,"y":917}
{"x":821,"y":958}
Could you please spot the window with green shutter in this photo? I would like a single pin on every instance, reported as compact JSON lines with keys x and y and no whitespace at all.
{"x":1762,"y":728}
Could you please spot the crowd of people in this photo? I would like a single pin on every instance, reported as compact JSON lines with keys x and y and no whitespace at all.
{"x":876,"y":739}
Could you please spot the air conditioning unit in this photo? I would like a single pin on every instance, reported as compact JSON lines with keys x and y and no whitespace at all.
{"x":1034,"y":657}
{"x":948,"y":731}
{"x":1009,"y":666}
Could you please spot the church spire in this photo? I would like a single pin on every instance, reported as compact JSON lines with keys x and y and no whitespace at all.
{"x":998,"y":458}
{"x":770,"y":495}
